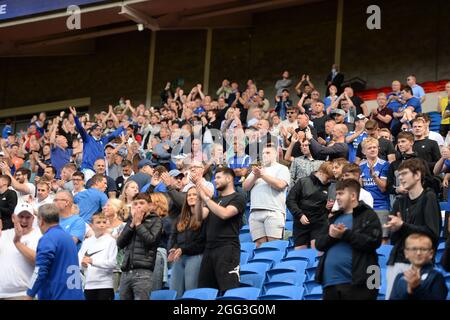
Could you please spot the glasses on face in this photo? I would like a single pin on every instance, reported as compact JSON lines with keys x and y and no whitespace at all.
{"x":417,"y":250}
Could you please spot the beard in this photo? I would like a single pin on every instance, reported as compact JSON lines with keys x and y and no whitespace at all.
{"x":220,"y":187}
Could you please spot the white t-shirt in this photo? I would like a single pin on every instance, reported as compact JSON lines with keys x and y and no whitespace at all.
{"x":436,"y":137}
{"x":31,"y":188}
{"x":99,"y":275}
{"x":364,"y":195}
{"x":15,"y":269}
{"x":263,"y":196}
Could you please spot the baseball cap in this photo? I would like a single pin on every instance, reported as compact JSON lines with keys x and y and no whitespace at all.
{"x":145,"y":162}
{"x":23,"y":207}
{"x":252,"y":122}
{"x":175,"y":173}
{"x":338,"y":111}
{"x":94,"y":126}
{"x":360,"y":117}
{"x":199,"y":110}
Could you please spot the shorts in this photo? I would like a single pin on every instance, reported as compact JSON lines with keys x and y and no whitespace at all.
{"x":383,"y":216}
{"x":265,"y":223}
{"x":220,"y":268}
{"x":304,"y":234}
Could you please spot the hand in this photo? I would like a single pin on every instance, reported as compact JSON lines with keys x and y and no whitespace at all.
{"x":304,"y":220}
{"x":336,"y":231}
{"x":277,"y":99}
{"x":294,"y":138}
{"x":166,"y":179}
{"x":445,"y":182}
{"x":174,"y":254}
{"x":166,"y":147}
{"x":303,"y":77}
{"x":138,"y":216}
{"x":412,"y":277}
{"x":400,"y":189}
{"x":128,"y":102}
{"x":18,"y":231}
{"x":199,"y":87}
{"x":330,"y":204}
{"x":308,"y":134}
{"x":257,"y":172}
{"x":73,"y":111}
{"x":321,"y":141}
{"x":395,"y":222}
{"x":86,"y":261}
{"x":61,"y":114}
{"x":307,"y":77}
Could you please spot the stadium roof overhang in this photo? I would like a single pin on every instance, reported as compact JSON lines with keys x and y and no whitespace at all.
{"x":46,"y":33}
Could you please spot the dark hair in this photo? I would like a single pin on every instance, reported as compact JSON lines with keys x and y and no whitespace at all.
{"x":70,"y":166}
{"x":97,"y":178}
{"x":350,"y":184}
{"x":424,"y":116}
{"x":52,"y":168}
{"x":414,"y":165}
{"x":99,"y":215}
{"x":406,"y":135}
{"x":371,"y":125}
{"x":187,"y":219}
{"x":78,"y":174}
{"x":6,"y":178}
{"x":143,"y":196}
{"x":25,"y":172}
{"x":408,"y":89}
{"x":127,"y":163}
{"x":226,"y":171}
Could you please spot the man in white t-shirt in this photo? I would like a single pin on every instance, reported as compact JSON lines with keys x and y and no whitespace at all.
{"x":267,"y":186}
{"x":20,"y":182}
{"x":18,"y":254}
{"x":353,"y":171}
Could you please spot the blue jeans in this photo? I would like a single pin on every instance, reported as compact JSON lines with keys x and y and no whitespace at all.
{"x":185,"y":273}
{"x":135,"y":284}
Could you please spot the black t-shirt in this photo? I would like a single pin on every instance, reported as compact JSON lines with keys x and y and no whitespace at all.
{"x":427,"y":150}
{"x":319,"y":125}
{"x":357,"y":101}
{"x":220,"y":232}
{"x":385,"y":148}
{"x":296,"y":150}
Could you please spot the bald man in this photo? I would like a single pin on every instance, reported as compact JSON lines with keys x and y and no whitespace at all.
{"x":336,"y":149}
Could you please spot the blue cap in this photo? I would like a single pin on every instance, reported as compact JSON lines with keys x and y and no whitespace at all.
{"x":145,"y":162}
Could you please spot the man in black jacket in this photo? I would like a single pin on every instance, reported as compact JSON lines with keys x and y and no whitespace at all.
{"x":8,"y":201}
{"x":349,"y":244}
{"x":139,"y":239}
{"x":418,"y":211}
{"x":307,"y":202}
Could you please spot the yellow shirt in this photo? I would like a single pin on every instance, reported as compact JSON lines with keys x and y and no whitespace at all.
{"x":444,"y":104}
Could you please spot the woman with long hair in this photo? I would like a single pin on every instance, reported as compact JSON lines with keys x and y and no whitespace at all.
{"x":116,"y":213}
{"x":130,"y":189}
{"x":187,"y":243}
{"x":160,"y":205}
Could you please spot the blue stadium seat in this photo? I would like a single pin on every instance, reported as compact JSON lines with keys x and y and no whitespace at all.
{"x":289,"y":216}
{"x":283,"y":293}
{"x":248,"y":247}
{"x":298,"y":266}
{"x":278,"y":245}
{"x":245,"y":229}
{"x":311,"y":271}
{"x":255,"y":280}
{"x":244,"y":257}
{"x":117,"y":296}
{"x":289,"y":225}
{"x":439,"y":252}
{"x":255,"y":267}
{"x":310,"y":286}
{"x":283,"y":279}
{"x":200,"y":294}
{"x":302,"y":254}
{"x":444,"y":206}
{"x":245,"y":237}
{"x":267,"y":256}
{"x":163,"y":295}
{"x":241,"y":294}
{"x":315,"y":293}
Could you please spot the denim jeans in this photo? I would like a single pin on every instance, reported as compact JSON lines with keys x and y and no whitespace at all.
{"x":185,"y":273}
{"x":135,"y":284}
{"x":160,"y":268}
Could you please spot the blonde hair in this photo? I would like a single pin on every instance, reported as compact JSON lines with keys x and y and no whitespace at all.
{"x":121,"y":208}
{"x":123,"y":196}
{"x":368,"y":141}
{"x":161,"y":204}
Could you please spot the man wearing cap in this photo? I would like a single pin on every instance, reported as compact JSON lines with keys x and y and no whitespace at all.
{"x":18,"y":254}
{"x":144,"y":176}
{"x":93,"y":143}
{"x":8,"y":201}
{"x":354,"y":138}
{"x":382,"y":114}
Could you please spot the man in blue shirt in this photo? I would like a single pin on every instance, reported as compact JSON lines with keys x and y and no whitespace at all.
{"x":94,"y":144}
{"x":418,"y":91}
{"x":100,"y":168}
{"x":92,"y":200}
{"x":374,"y":172}
{"x":68,"y":220}
{"x":411,"y":106}
{"x":57,"y":272}
{"x":240,"y":163}
{"x":7,"y":129}
{"x":349,"y":244}
{"x":354,"y":138}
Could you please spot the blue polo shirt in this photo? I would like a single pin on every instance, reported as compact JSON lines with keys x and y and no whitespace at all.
{"x":338,"y":259}
{"x":89,"y":202}
{"x":415,"y":103}
{"x":381,"y":168}
{"x":75,"y":226}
